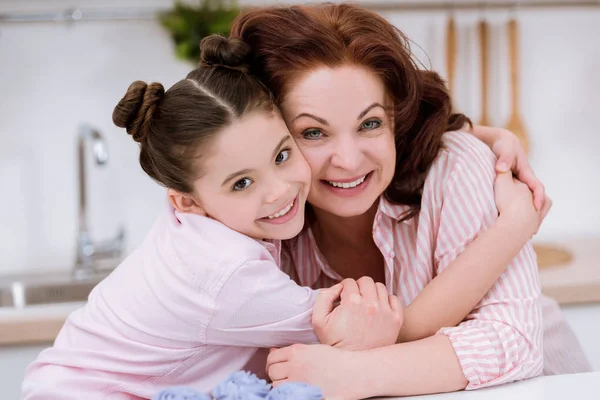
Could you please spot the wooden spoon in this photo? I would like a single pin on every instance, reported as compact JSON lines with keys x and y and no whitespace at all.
{"x":515,"y":123}
{"x":483,"y":52}
{"x":451,"y":54}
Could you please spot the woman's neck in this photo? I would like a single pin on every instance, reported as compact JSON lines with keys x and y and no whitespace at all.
{"x":333,"y":230}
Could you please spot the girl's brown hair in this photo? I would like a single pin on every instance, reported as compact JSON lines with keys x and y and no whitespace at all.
{"x":289,"y":41}
{"x":175,"y":127}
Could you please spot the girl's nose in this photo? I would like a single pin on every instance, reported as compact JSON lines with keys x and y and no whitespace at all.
{"x":278,"y":189}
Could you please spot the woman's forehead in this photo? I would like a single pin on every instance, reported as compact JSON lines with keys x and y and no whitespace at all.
{"x":348,"y":88}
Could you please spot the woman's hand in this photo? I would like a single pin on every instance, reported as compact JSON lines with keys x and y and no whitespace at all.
{"x":512,"y":157}
{"x":515,"y":205}
{"x":332,"y":370}
{"x":367,"y":316}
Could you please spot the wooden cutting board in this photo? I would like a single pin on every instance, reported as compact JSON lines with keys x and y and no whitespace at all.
{"x":574,"y":276}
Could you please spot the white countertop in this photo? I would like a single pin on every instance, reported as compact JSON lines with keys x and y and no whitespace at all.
{"x":559,"y":387}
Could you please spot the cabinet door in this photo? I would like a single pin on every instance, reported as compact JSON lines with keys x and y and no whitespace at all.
{"x":13,"y":362}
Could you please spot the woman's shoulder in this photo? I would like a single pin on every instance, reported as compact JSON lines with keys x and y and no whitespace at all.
{"x":462,"y":147}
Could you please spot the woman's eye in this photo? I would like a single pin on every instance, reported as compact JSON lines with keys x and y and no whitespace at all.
{"x":371,"y":124}
{"x":312,"y":134}
{"x":282,"y":156}
{"x":242,"y":184}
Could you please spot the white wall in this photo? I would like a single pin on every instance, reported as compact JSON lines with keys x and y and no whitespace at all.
{"x":54,"y":77}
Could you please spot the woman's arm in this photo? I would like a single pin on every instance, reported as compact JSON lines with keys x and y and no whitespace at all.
{"x":498,"y":342}
{"x":481,"y":264}
{"x":512,"y":157}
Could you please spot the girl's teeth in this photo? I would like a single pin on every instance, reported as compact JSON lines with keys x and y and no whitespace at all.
{"x":346,"y":185}
{"x":282,"y":212}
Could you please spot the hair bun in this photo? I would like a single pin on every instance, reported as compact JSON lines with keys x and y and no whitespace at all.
{"x":136,"y":108}
{"x":220,"y":51}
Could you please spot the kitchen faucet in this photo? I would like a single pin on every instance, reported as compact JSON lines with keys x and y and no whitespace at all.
{"x":90,"y":254}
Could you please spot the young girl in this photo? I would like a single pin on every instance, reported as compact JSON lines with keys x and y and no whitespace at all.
{"x":199,"y":298}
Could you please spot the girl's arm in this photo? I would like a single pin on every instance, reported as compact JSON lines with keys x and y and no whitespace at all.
{"x":258,"y":305}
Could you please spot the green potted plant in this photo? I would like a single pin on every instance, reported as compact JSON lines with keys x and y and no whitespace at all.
{"x":189,"y":23}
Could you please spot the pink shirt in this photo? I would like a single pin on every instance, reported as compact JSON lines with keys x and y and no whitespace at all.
{"x":501,"y":339}
{"x":189,"y":307}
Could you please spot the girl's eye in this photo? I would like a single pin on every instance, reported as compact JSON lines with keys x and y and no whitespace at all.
{"x":242,"y":184}
{"x":371,"y":124}
{"x":282,"y":156}
{"x":312,"y":134}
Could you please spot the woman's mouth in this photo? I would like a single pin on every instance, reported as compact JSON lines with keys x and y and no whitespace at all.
{"x":348,"y":187}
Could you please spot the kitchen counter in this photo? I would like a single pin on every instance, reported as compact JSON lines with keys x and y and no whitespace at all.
{"x":558,"y":387}
{"x":577,"y":281}
{"x":35,"y":324}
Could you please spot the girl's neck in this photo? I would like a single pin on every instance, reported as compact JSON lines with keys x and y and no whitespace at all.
{"x":333,"y":230}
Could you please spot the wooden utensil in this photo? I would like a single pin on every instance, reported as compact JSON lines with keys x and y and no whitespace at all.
{"x":515,"y":123}
{"x":483,"y":52}
{"x":451,"y":54}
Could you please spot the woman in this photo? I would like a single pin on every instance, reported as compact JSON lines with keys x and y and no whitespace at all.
{"x":396,"y":199}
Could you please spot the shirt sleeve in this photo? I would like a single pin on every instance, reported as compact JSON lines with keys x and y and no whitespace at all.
{"x":500,"y":341}
{"x":260,"y":306}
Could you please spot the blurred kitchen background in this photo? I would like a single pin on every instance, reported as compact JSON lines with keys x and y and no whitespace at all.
{"x":65,"y":64}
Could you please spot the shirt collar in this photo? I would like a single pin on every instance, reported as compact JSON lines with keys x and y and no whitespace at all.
{"x":394,"y":211}
{"x":317,"y":263}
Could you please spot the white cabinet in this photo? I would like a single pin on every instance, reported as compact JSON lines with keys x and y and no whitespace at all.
{"x":13,"y":362}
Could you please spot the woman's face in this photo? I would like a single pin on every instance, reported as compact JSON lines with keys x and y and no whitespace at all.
{"x":341,"y":120}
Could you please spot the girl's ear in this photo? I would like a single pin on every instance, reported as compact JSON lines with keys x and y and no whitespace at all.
{"x":185,"y":203}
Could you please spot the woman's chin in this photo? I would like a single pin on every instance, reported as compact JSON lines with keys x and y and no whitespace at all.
{"x":345,"y":208}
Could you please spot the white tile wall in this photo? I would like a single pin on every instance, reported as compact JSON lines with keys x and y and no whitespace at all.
{"x":54,"y":76}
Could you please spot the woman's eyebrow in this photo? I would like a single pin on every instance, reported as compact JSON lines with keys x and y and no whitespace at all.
{"x":319,"y":120}
{"x":372,"y":106}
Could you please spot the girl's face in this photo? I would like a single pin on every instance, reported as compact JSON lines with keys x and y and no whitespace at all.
{"x":255,"y":180}
{"x":341,"y":121}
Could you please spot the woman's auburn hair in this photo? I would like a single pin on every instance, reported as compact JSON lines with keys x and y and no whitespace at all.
{"x":289,"y":41}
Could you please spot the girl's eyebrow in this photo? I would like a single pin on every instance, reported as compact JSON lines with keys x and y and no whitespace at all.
{"x":281,"y":142}
{"x":247,"y":170}
{"x":236,"y":174}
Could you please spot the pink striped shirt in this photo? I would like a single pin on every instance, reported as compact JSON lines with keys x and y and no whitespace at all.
{"x":501,"y":339}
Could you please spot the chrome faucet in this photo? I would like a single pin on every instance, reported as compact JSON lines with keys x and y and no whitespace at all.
{"x":90,"y":254}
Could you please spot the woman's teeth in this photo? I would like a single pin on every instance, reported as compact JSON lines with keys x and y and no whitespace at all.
{"x":282,"y":212}
{"x":346,"y":185}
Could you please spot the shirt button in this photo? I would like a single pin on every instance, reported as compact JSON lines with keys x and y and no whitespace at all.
{"x":391,"y":254}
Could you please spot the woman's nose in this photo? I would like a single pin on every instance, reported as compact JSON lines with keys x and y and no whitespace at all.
{"x":346,"y":154}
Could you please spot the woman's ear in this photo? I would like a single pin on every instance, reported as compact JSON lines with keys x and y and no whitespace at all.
{"x":185,"y":203}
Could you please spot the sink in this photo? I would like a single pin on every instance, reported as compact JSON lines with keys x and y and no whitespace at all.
{"x":50,"y":288}
{"x":6,"y":299}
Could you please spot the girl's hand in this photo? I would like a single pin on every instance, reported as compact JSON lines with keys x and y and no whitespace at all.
{"x":515,"y":205}
{"x":367,"y":316}
{"x":332,"y":370}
